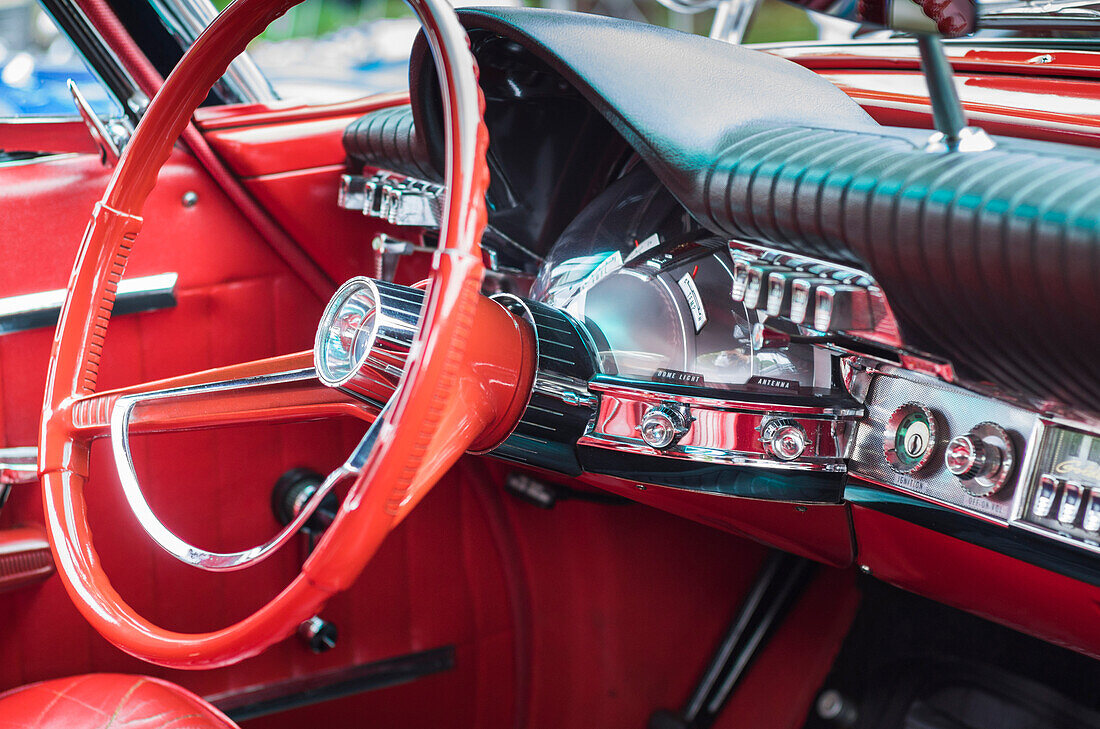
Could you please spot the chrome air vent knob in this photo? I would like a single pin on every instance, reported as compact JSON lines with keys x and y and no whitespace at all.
{"x":663,"y":425}
{"x":784,"y":438}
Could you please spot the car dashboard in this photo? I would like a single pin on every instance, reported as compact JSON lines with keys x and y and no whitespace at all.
{"x":744,"y":382}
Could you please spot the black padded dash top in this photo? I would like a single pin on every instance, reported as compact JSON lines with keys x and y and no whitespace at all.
{"x":989,"y":259}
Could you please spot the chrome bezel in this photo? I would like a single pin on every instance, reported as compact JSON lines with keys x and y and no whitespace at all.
{"x":890,"y":433}
{"x":335,"y":304}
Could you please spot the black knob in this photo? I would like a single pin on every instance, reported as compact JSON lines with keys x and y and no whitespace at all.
{"x":318,"y":634}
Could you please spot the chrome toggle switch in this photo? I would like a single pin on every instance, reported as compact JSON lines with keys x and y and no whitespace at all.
{"x":803,"y":294}
{"x":663,"y":425}
{"x":1090,"y":522}
{"x":1049,"y":486}
{"x":842,"y":308}
{"x":1073,"y":493}
{"x":781,"y":291}
{"x":740,"y":278}
{"x":756,"y":291}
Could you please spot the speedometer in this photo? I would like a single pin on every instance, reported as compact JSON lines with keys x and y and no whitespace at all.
{"x":653,"y":290}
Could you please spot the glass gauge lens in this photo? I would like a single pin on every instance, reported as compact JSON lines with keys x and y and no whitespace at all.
{"x":653,"y":290}
{"x":347,"y":331}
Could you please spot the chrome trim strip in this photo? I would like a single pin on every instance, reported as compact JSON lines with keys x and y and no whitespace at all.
{"x":162,"y":535}
{"x":720,"y":429}
{"x":186,"y":20}
{"x":18,"y":465}
{"x":726,"y":404}
{"x":42,"y":309}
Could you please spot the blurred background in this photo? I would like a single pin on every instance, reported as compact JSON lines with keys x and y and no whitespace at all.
{"x":333,"y":50}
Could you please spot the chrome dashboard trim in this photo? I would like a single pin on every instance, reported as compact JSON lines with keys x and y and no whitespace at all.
{"x":1028,"y":474}
{"x":42,"y":309}
{"x":723,"y":431}
{"x":186,"y":20}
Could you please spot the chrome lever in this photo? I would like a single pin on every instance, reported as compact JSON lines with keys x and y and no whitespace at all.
{"x":110,"y":140}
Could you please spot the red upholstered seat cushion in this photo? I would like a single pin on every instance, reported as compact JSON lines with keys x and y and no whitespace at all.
{"x":102,"y":700}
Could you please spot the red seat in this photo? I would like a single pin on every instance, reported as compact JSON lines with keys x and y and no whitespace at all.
{"x":101,"y":700}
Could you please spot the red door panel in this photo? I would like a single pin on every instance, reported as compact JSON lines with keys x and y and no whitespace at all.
{"x":437,"y":582}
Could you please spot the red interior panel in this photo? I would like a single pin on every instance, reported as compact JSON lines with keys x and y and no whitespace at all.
{"x":995,"y":586}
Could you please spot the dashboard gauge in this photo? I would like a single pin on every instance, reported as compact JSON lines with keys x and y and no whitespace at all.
{"x":347,"y":331}
{"x":653,"y":290}
{"x":910,"y":438}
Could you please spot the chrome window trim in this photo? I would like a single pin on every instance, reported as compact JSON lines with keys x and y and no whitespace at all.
{"x":96,"y":53}
{"x":186,"y":20}
{"x":42,"y":308}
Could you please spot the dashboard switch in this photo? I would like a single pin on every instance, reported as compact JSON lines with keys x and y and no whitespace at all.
{"x":1073,"y":494}
{"x":1091,"y":520}
{"x":842,"y":308}
{"x":803,"y":293}
{"x":1049,"y":486}
{"x":663,"y":425}
{"x":982,"y":459}
{"x":756,"y":291}
{"x":781,"y":291}
{"x":784,"y":438}
{"x":740,"y":279}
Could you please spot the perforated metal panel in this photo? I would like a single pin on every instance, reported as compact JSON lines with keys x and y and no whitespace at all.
{"x":956,"y":412}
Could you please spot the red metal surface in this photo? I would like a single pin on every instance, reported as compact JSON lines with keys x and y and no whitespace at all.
{"x":229,"y":116}
{"x":107,"y":700}
{"x":24,"y":557}
{"x":903,"y":54}
{"x":1030,"y":93}
{"x":1059,"y":609}
{"x":39,"y":135}
{"x":818,"y":531}
{"x":305,"y":400}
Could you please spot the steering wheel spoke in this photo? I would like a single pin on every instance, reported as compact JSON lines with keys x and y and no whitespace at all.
{"x":277,"y":389}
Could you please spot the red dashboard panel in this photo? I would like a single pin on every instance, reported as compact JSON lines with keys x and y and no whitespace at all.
{"x":818,"y":531}
{"x":1031,"y":599}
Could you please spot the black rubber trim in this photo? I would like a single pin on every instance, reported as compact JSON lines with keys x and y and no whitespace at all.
{"x":747,"y":481}
{"x":988,"y":259}
{"x":314,"y":689}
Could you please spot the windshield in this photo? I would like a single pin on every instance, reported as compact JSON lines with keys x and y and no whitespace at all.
{"x":325,"y":51}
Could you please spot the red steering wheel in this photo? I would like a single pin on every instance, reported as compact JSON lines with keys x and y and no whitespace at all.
{"x":467,"y":379}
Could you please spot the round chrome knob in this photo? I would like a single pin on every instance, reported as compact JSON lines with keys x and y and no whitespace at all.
{"x":965,"y":456}
{"x":663,"y":425}
{"x":982,"y":459}
{"x":784,"y":439}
